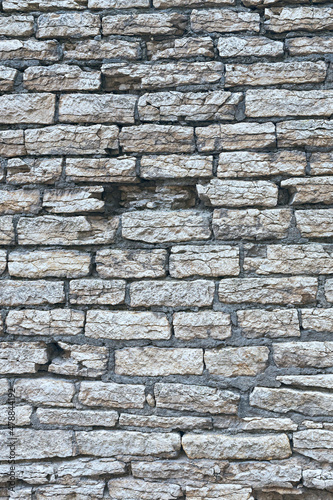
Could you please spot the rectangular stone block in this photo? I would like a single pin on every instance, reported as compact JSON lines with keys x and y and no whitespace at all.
{"x":253,"y":224}
{"x":55,"y":230}
{"x":22,"y":416}
{"x":305,"y":381}
{"x":72,"y":140}
{"x":155,"y":361}
{"x":80,"y":360}
{"x":127,"y":443}
{"x":101,"y":49}
{"x":256,"y":323}
{"x":95,"y":291}
{"x":273,"y":74}
{"x":157,"y":139}
{"x":120,"y":169}
{"x":117,"y":4}
{"x":201,"y":325}
{"x":34,"y":444}
{"x":127,"y":325}
{"x":224,"y":21}
{"x":196,"y":293}
{"x":191,"y":106}
{"x":52,"y":322}
{"x":69,"y":201}
{"x":294,"y":290}
{"x":180,"y":48}
{"x":157,"y":196}
{"x":235,"y":193}
{"x":7,"y":78}
{"x":248,"y":163}
{"x":29,"y":49}
{"x":82,"y":418}
{"x":85,"y":489}
{"x":320,"y":320}
{"x":314,"y":443}
{"x":136,"y":263}
{"x":321,"y":163}
{"x":12,"y":143}
{"x":225,"y":491}
{"x":110,"y":395}
{"x":303,"y":354}
{"x":19,"y":357}
{"x":284,"y":400}
{"x":60,"y":77}
{"x":171,"y":423}
{"x":312,"y":258}
{"x":124,"y":76}
{"x":317,"y":223}
{"x":236,"y":361}
{"x":152,"y":24}
{"x":45,"y":391}
{"x":162,"y":226}
{"x":176,"y":166}
{"x":69,"y":24}
{"x":34,"y":170}
{"x":253,"y":424}
{"x":235,"y":46}
{"x":283,"y":102}
{"x":165,"y":4}
{"x":199,"y":398}
{"x":235,"y":136}
{"x":303,"y":46}
{"x":97,"y":108}
{"x":128,"y":488}
{"x":49,"y":263}
{"x":212,"y":261}
{"x":16,"y":25}
{"x":305,"y":18}
{"x":20,"y":201}
{"x":310,"y":190}
{"x":239,"y":447}
{"x":26,"y":293}
{"x":26,"y":5}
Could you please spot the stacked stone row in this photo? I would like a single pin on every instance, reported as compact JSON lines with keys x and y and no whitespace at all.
{"x":166,"y":256}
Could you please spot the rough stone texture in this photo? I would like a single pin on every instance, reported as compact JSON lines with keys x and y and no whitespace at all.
{"x":34,"y":170}
{"x":226,"y":491}
{"x":224,"y":21}
{"x":303,"y":18}
{"x":52,"y":322}
{"x":80,"y":360}
{"x":180,"y":48}
{"x":95,"y":291}
{"x":29,"y":49}
{"x":234,"y":193}
{"x":314,"y":443}
{"x":309,"y":45}
{"x":120,"y":169}
{"x":45,"y":392}
{"x":137,"y":489}
{"x":309,"y":133}
{"x":7,"y":78}
{"x":317,"y":190}
{"x":27,"y":293}
{"x":69,"y":24}
{"x":85,"y":50}
{"x":16,"y":357}
{"x":170,"y":423}
{"x":27,"y":5}
{"x":60,"y":77}
{"x":315,"y":223}
{"x":232,"y":362}
{"x":303,"y":354}
{"x":200,"y":325}
{"x":321,"y":163}
{"x":111,"y":395}
{"x":145,"y":24}
{"x":131,"y":263}
{"x":38,"y":108}
{"x":20,"y":201}
{"x":70,"y":201}
{"x":36,"y":444}
{"x":157,"y":139}
{"x":256,"y":323}
{"x":156,"y":197}
{"x":236,"y":46}
{"x":17,"y":25}
{"x":175,"y":166}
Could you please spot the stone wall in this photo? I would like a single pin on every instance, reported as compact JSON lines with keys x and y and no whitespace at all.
{"x":166,"y":249}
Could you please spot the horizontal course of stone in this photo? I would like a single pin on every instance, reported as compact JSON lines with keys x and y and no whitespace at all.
{"x":166,"y":251}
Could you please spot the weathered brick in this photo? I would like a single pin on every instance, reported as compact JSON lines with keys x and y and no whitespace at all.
{"x":235,"y":46}
{"x":246,"y":164}
{"x":253,"y":224}
{"x":309,"y":45}
{"x":111,"y":395}
{"x":195,"y":398}
{"x":123,"y":76}
{"x":128,"y":443}
{"x":303,"y":354}
{"x":60,"y":77}
{"x":180,"y":48}
{"x":224,"y":21}
{"x":235,"y":136}
{"x":83,"y":108}
{"x":202,"y":324}
{"x":36,"y":444}
{"x":151,"y":24}
{"x":127,"y":325}
{"x":7,"y":78}
{"x":114,"y":263}
{"x":30,"y":49}
{"x":18,"y":293}
{"x":69,"y":24}
{"x":172,"y":293}
{"x":162,"y":226}
{"x":191,"y":260}
{"x":101,"y":49}
{"x":128,"y":488}
{"x":94,"y":291}
{"x":84,"y":418}
{"x":310,"y":190}
{"x":235,"y":193}
{"x":273,"y":74}
{"x":157,"y":139}
{"x":55,"y":230}
{"x":68,"y":201}
{"x":192,"y":106}
{"x":288,"y":102}
{"x":52,"y":322}
{"x":48,"y":263}
{"x":236,"y":361}
{"x":27,"y":5}
{"x":80,"y":360}
{"x":315,"y":223}
{"x":34,"y":170}
{"x":224,"y":446}
{"x":308,"y":133}
{"x":72,"y":139}
{"x":305,"y":18}
{"x":257,"y":323}
{"x":176,"y":166}
{"x":45,"y":391}
{"x":20,"y":201}
{"x":17,"y":25}
{"x":18,"y":357}
{"x":157,"y":197}
{"x":12,"y":143}
{"x":120,"y":169}
{"x":294,"y":290}
{"x":155,"y":361}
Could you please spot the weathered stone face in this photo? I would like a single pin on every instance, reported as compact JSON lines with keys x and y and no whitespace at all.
{"x":203,"y":324}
